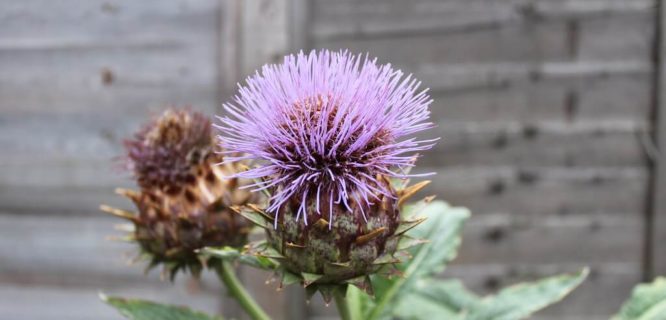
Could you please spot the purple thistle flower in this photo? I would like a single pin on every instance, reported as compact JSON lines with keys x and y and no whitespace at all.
{"x":324,"y":127}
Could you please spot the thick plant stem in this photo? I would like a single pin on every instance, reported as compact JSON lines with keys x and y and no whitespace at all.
{"x":341,"y":303}
{"x":226,"y":273}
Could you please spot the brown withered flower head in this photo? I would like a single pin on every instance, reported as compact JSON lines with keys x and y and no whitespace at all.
{"x":184,"y":201}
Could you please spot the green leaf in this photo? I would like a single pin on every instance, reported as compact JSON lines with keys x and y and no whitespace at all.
{"x":451,"y":293}
{"x":447,"y":298}
{"x":224,"y":253}
{"x":647,"y":302}
{"x":257,"y":218}
{"x":416,"y":307}
{"x":442,"y":230}
{"x":520,"y":301}
{"x":134,"y":309}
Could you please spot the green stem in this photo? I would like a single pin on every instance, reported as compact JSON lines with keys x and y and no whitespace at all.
{"x":341,"y":303}
{"x":226,"y":273}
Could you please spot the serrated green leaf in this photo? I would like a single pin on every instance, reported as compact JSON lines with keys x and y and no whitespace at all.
{"x":135,"y":309}
{"x":432,"y":296}
{"x":416,"y":307}
{"x":451,"y":293}
{"x":647,"y":302}
{"x":521,"y":300}
{"x":442,"y":230}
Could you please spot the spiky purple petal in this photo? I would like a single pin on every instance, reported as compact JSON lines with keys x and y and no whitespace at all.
{"x":324,"y":126}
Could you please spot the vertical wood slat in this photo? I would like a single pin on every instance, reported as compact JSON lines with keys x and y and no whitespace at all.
{"x":229,"y":17}
{"x":254,"y":33}
{"x":656,"y":221}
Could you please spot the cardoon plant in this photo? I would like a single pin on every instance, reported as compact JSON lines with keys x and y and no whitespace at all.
{"x":329,"y":132}
{"x":329,"y":139}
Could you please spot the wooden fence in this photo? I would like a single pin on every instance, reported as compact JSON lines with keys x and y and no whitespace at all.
{"x":551,"y":112}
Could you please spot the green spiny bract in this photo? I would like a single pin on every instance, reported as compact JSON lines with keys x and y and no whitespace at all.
{"x":184,"y":203}
{"x":327,"y":256}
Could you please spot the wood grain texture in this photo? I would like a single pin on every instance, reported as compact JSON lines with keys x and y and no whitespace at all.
{"x":657,"y":214}
{"x":544,"y":112}
{"x":338,"y":19}
{"x":544,"y":109}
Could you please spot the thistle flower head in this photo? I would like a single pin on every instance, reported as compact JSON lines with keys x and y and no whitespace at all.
{"x":325,"y":128}
{"x":184,"y":203}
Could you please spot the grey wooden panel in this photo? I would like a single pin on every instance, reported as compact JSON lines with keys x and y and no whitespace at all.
{"x":66,"y":246}
{"x":63,"y":253}
{"x":541,"y":191}
{"x":657,"y":214}
{"x":611,"y":143}
{"x":80,"y":56}
{"x":615,"y":37}
{"x":336,"y":19}
{"x":94,"y":18}
{"x":512,"y":43}
{"x":591,"y":239}
{"x":619,"y":97}
{"x":453,"y":77}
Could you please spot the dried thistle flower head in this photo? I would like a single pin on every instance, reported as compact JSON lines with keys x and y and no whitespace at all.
{"x":330,"y":135}
{"x":184,"y":202}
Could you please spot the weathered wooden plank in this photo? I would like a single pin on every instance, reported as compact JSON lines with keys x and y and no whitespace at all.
{"x":61,"y":245}
{"x":511,"y":43}
{"x":620,"y":97}
{"x":656,"y":214}
{"x":465,"y":76}
{"x":265,"y":33}
{"x":43,"y":24}
{"x":611,"y":37}
{"x":124,"y":81}
{"x":592,"y":239}
{"x":337,"y":19}
{"x":609,"y":143}
{"x":117,"y":57}
{"x":548,"y":191}
{"x":75,"y":252}
{"x":229,"y":49}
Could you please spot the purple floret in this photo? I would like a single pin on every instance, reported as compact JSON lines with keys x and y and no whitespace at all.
{"x":321,"y":127}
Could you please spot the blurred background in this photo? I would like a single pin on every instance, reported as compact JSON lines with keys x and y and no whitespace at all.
{"x":547,"y":109}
